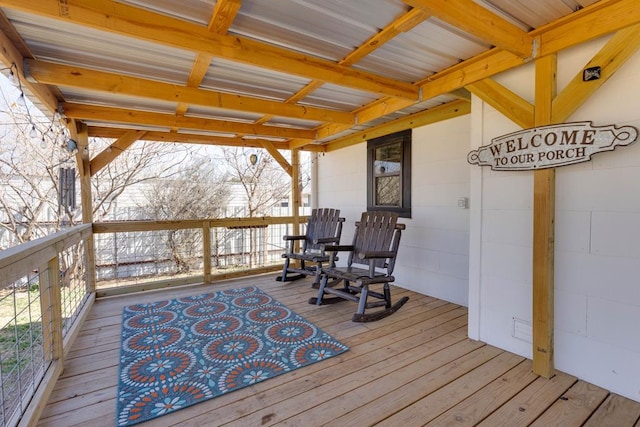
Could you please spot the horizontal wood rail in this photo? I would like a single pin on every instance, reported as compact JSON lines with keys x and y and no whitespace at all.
{"x":20,"y":260}
{"x":124,"y":226}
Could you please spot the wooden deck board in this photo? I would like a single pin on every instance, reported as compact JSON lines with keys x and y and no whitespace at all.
{"x":413,"y":368}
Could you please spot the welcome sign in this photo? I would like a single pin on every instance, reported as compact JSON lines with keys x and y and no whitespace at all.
{"x":551,"y":146}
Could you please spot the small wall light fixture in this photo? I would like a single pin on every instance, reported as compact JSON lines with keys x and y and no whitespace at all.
{"x":591,"y":73}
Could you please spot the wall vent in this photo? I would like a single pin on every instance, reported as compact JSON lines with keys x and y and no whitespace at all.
{"x":522,"y":330}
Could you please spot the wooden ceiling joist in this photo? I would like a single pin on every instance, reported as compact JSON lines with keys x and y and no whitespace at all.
{"x":192,"y":138}
{"x":136,"y":117}
{"x":84,"y":78}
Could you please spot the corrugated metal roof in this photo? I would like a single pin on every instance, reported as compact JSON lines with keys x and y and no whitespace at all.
{"x":309,"y":31}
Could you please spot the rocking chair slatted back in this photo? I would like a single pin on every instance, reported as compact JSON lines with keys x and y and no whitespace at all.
{"x":323,"y":227}
{"x":322,"y":223}
{"x":376,"y":232}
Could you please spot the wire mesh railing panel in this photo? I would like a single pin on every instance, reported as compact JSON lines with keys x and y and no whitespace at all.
{"x":22,"y":352}
{"x":73,"y":288}
{"x":127,"y":258}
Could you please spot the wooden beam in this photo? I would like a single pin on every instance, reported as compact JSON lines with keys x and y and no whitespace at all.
{"x":599,"y":19}
{"x":544,"y":191}
{"x":84,"y":78}
{"x":195,"y":138}
{"x":611,"y":57}
{"x":119,"y":18}
{"x":114,"y":150}
{"x":519,"y":110}
{"x":120,"y":115}
{"x":480,"y":22}
{"x":278,"y":157}
{"x":443,"y":112}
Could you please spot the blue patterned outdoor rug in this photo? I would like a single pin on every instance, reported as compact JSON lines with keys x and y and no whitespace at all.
{"x":183,"y":351}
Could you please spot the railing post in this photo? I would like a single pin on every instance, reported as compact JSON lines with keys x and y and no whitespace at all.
{"x":206,"y":250}
{"x":51,"y":309}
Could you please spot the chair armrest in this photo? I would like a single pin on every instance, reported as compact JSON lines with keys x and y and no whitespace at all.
{"x":338,"y":248}
{"x":293,"y":237}
{"x":326,"y":240}
{"x":377,"y":254}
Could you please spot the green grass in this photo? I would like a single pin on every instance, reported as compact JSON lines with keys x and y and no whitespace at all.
{"x":21,"y":333}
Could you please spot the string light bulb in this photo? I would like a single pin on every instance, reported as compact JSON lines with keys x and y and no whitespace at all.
{"x":21,"y":100}
{"x":12,"y":78}
{"x":33,"y":133}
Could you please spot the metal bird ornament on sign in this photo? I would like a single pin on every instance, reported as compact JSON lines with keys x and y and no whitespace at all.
{"x":551,"y":146}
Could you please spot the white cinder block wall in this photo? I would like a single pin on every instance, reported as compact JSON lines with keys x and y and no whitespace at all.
{"x":597,"y":277}
{"x":434,"y":250}
{"x":597,"y":260}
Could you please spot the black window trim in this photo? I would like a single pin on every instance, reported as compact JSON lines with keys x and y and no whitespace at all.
{"x":405,"y":180}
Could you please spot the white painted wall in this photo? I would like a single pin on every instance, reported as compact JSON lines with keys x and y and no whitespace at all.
{"x":434,"y":250}
{"x":597,"y":260}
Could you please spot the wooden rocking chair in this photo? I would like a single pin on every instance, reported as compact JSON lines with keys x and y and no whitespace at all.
{"x":324,"y":226}
{"x":372,"y":257}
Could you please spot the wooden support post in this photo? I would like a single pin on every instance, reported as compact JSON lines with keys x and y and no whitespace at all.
{"x":295,"y":193}
{"x":543,"y":229}
{"x":80,"y":133}
{"x":206,"y":250}
{"x":51,"y":309}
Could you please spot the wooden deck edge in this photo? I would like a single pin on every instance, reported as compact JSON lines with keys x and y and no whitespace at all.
{"x":71,"y":336}
{"x":40,"y":398}
{"x":185,"y":281}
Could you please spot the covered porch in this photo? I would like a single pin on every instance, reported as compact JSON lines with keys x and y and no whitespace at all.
{"x":325,"y":77}
{"x":416,"y":367}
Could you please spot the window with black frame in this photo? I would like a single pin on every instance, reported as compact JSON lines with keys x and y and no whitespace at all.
{"x":389,"y":173}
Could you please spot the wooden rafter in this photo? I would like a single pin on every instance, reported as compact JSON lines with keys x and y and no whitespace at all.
{"x":136,"y":117}
{"x":78,"y":77}
{"x":477,"y":20}
{"x":224,"y":12}
{"x":120,"y":18}
{"x":403,"y":24}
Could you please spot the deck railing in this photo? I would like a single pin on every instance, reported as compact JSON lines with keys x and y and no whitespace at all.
{"x":130,"y":254}
{"x":43,"y":293}
{"x":47,"y":286}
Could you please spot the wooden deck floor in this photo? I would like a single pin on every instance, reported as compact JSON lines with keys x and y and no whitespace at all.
{"x":416,"y":367}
